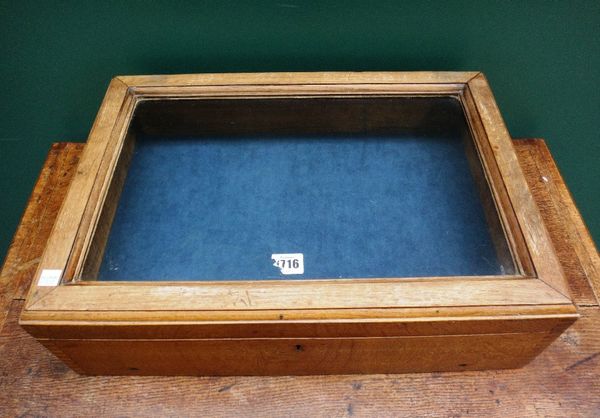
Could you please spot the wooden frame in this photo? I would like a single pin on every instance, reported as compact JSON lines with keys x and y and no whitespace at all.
{"x":277,"y":327}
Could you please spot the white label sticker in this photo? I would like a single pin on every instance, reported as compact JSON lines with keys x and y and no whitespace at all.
{"x":289,"y":263}
{"x":50,"y":277}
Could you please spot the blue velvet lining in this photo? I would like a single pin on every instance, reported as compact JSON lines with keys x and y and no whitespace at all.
{"x":355,"y":206}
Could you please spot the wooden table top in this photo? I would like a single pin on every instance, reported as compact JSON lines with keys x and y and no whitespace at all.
{"x":562,"y":381}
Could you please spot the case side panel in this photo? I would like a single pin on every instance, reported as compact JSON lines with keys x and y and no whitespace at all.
{"x":294,"y":356}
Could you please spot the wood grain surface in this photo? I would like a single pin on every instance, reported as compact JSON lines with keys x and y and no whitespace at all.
{"x":561,"y":381}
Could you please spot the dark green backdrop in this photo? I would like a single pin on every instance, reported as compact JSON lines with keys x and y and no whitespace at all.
{"x":56,"y":59}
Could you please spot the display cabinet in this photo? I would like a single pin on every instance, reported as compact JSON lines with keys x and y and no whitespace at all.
{"x":298,"y":223}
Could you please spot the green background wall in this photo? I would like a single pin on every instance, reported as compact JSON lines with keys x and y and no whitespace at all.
{"x":56,"y":59}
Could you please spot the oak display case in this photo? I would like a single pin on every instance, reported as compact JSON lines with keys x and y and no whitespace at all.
{"x":298,"y":223}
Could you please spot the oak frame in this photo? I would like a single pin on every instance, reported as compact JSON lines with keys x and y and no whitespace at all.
{"x":533,"y":302}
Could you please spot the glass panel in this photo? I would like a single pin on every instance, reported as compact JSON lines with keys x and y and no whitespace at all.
{"x":362,"y":188}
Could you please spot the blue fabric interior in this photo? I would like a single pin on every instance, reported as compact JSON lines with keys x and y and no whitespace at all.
{"x":355,"y":206}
